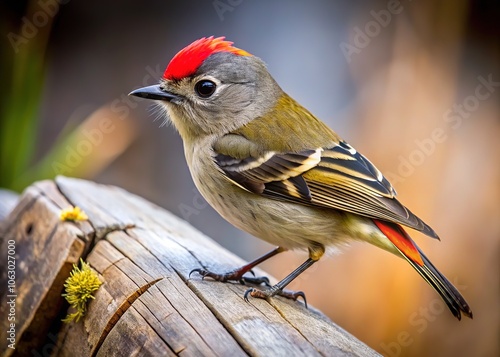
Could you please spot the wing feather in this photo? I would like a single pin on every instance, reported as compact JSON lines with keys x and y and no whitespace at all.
{"x":336,"y":177}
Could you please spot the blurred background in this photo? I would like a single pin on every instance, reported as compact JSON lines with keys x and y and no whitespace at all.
{"x":413,"y":85}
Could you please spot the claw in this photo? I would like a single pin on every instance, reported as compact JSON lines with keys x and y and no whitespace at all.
{"x":199,"y":271}
{"x":235,"y":275}
{"x":272,"y":291}
{"x":245,"y":296}
{"x":294,"y":295}
{"x":256,"y":293}
{"x":257,"y":280}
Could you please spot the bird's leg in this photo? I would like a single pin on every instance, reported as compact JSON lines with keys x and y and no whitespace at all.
{"x":315,"y":253}
{"x":237,"y":274}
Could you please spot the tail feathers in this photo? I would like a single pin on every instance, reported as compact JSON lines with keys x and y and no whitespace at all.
{"x":455,"y":301}
{"x":398,"y":236}
{"x":409,"y":250}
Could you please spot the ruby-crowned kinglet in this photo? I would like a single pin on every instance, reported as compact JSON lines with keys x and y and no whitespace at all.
{"x":274,"y":170}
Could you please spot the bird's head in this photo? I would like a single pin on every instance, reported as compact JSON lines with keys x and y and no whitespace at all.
{"x":211,"y":87}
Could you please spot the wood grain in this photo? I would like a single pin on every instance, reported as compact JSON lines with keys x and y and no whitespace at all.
{"x":147,"y":305}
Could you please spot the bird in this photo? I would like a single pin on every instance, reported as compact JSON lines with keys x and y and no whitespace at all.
{"x":274,"y":170}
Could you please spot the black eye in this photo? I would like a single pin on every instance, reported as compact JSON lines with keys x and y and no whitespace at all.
{"x":205,"y":88}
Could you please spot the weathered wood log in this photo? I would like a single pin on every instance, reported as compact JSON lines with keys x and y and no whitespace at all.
{"x":147,"y":304}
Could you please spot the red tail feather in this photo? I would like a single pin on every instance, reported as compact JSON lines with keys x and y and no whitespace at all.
{"x":401,"y":240}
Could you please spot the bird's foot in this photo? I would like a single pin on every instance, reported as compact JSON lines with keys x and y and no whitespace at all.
{"x":235,"y":275}
{"x":275,"y":290}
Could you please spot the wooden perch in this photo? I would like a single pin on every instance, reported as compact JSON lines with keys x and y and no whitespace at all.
{"x":147,"y":304}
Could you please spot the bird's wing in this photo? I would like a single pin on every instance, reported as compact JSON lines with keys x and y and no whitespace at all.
{"x":336,"y":177}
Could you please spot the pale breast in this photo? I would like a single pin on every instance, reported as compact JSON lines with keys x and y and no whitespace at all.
{"x":286,"y":224}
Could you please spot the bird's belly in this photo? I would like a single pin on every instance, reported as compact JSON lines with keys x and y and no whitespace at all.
{"x":286,"y":224}
{"x":281,"y":223}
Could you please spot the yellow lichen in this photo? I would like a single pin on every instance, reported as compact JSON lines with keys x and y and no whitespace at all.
{"x":79,"y":287}
{"x":73,"y":214}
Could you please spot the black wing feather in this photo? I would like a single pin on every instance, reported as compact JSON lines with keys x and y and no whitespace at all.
{"x":337,"y":177}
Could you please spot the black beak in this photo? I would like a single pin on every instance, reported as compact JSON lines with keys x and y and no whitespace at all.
{"x":154,"y":92}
